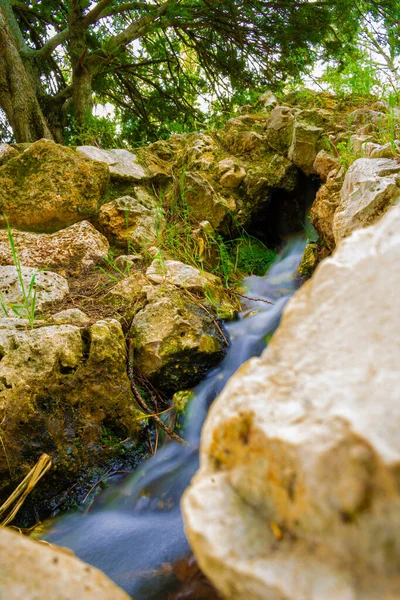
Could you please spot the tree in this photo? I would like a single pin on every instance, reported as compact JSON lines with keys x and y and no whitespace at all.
{"x":151,"y":58}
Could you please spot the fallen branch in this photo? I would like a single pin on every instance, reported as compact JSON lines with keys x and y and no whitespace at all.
{"x":143,"y":405}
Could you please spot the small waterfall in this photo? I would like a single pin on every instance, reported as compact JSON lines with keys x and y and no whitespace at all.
{"x":138,"y":527}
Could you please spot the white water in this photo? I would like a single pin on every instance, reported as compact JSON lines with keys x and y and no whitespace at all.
{"x":138,"y":527}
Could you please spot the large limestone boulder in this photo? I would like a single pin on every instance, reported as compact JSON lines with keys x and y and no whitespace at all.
{"x":48,"y":187}
{"x":32,"y":570}
{"x":370,"y":187}
{"x":69,"y":250}
{"x":176,"y":341}
{"x":59,"y":384}
{"x":297,"y":497}
{"x":183,"y":276}
{"x":123,"y":164}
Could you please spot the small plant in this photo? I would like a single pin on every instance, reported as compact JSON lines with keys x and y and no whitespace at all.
{"x":27,"y":307}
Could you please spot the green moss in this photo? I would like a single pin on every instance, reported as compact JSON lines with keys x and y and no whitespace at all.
{"x":251,"y":256}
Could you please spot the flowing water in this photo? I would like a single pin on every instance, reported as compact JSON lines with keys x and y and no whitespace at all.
{"x":137,"y":528}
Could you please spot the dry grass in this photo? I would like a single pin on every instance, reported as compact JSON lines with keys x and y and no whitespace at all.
{"x":18,"y":497}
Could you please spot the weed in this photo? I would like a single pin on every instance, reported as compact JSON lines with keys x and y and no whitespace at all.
{"x":28,"y":303}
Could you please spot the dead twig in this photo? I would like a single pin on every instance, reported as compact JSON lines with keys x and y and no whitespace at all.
{"x":253,"y":299}
{"x":196,"y":301}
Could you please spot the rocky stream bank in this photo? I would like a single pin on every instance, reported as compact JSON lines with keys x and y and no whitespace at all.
{"x":134,"y":258}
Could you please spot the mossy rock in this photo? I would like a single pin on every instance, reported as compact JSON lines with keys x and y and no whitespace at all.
{"x":48,"y":187}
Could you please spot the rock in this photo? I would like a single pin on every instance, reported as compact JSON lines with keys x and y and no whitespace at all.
{"x":175,"y":340}
{"x":130,"y":221}
{"x":323,"y":210}
{"x":31,"y":570}
{"x":183,"y":276}
{"x":273,"y":172}
{"x":365,"y":116}
{"x":123,"y":164}
{"x":6,"y":152}
{"x":59,"y":386}
{"x":267,"y":99}
{"x":128,"y":296}
{"x":280,"y":128}
{"x":370,"y":187}
{"x":300,"y":453}
{"x":69,"y":250}
{"x":358,"y":144}
{"x":303,"y":149}
{"x":324,"y":164}
{"x":71,"y":315}
{"x":48,"y":286}
{"x":232,"y":174}
{"x":313,"y":254}
{"x":204,"y":202}
{"x":388,"y":150}
{"x":48,"y":187}
{"x":125,"y":262}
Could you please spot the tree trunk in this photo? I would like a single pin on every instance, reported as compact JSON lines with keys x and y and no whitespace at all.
{"x":81,"y":75}
{"x":17,"y":90}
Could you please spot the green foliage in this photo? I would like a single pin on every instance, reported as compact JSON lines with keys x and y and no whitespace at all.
{"x":356,"y":77}
{"x":251,"y":256}
{"x":204,"y":248}
{"x":26,"y":309}
{"x":154,"y":60}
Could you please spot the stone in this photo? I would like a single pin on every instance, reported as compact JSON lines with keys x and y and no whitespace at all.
{"x":365,"y":116}
{"x":75,"y":316}
{"x":388,"y":150}
{"x":48,"y":187}
{"x":358,"y":144}
{"x":48,"y":286}
{"x":175,"y":340}
{"x":231,"y":173}
{"x":68,"y":251}
{"x":280,"y":128}
{"x":128,"y":296}
{"x":130,"y":221}
{"x":233,"y":178}
{"x":274,"y":171}
{"x":123,"y":164}
{"x":297,"y":496}
{"x":204,"y":201}
{"x":126,"y":262}
{"x":267,"y":99}
{"x":303,"y":149}
{"x":324,"y":164}
{"x":59,"y":386}
{"x":313,"y":254}
{"x":183,"y":276}
{"x":323,"y":211}
{"x":370,"y":187}
{"x":31,"y":570}
{"x":6,"y":152}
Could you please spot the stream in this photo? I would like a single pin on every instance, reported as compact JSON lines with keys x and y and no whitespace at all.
{"x":136,"y":526}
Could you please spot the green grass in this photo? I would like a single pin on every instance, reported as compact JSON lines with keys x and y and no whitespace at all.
{"x":26,"y":309}
{"x":179,"y":237}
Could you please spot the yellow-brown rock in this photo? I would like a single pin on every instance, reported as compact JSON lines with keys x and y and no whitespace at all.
{"x":48,"y":187}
